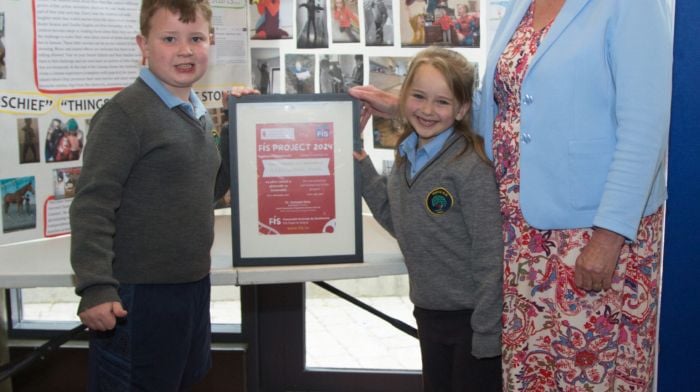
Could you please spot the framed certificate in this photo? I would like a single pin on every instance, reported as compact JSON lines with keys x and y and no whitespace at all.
{"x":295,"y":195}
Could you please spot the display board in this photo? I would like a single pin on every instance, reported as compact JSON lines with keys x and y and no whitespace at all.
{"x":64,"y":59}
{"x":60,"y":61}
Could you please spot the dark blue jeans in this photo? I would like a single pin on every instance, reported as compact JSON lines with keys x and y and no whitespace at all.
{"x":162,"y":345}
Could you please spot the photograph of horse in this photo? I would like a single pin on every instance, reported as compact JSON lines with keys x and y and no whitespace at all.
{"x":17,"y":197}
{"x":19,"y":203}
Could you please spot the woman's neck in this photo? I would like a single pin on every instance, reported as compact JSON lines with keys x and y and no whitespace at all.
{"x":545,"y":12}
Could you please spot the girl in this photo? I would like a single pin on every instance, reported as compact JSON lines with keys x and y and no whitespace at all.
{"x":441,"y":203}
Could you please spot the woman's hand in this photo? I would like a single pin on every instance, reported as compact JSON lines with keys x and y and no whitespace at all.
{"x":596,"y":263}
{"x":375,"y":102}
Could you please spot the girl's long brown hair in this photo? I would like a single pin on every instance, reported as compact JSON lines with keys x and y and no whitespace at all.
{"x":460,"y":77}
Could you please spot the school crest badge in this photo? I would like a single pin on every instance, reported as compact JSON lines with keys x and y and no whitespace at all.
{"x":438,"y":201}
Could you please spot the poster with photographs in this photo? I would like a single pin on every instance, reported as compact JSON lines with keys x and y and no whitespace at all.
{"x":379,"y":26}
{"x":270,"y":19}
{"x":453,"y":23}
{"x":49,"y":91}
{"x":338,"y":73}
{"x":312,"y":20}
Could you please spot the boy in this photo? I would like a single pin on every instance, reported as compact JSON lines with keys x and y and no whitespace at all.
{"x":142,"y":217}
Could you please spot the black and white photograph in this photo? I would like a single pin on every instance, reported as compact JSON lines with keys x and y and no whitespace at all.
{"x":338,"y":73}
{"x":300,"y":69}
{"x":265,"y":70}
{"x":312,"y":18}
{"x":379,"y":28}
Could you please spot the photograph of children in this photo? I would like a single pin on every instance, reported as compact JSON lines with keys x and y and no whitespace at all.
{"x":64,"y":182}
{"x":265,"y":66}
{"x":454,"y":23}
{"x":345,"y":23}
{"x":387,"y":73}
{"x":379,"y":29}
{"x":337,"y":73}
{"x":28,"y":140}
{"x":19,"y":203}
{"x":466,"y":24}
{"x":270,"y":19}
{"x":311,"y":24}
{"x":300,"y":73}
{"x":64,"y":140}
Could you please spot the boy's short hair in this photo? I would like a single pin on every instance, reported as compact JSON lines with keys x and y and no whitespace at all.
{"x":186,"y":8}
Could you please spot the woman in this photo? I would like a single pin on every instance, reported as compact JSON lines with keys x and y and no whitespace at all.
{"x":575,"y":111}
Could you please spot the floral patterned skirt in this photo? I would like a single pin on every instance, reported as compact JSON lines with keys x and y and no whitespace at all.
{"x":558,"y":337}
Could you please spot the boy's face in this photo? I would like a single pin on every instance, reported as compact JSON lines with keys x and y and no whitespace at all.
{"x":177,"y":52}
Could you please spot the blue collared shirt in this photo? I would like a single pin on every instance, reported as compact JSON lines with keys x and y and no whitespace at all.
{"x":419,"y":157}
{"x":194,"y":107}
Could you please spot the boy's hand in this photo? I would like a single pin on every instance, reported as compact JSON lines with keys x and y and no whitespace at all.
{"x":102,"y":317}
{"x":238,"y":92}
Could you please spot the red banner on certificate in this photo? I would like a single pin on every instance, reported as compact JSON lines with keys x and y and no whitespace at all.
{"x":296,"y":185}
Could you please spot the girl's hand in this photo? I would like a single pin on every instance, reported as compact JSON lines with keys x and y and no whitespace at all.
{"x":359,"y":155}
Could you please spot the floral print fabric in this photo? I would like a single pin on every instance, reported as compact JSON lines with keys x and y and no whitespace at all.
{"x":556,"y":336}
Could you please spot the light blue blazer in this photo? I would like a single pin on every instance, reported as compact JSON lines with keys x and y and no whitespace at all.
{"x":595,"y":113}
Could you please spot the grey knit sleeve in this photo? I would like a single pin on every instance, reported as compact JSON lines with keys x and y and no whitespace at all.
{"x":484,"y":224}
{"x":111,"y":148}
{"x":374,"y":191}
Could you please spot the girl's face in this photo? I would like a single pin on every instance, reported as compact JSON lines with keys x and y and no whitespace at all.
{"x":431,"y":107}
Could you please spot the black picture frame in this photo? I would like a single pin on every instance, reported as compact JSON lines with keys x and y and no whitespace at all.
{"x":295,"y":186}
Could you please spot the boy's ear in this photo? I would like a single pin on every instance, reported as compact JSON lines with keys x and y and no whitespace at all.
{"x":141,"y":42}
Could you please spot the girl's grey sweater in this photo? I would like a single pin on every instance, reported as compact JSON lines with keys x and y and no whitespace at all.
{"x":455,"y":258}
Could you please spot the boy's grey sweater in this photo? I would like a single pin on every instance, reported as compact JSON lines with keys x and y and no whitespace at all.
{"x":454,"y":259}
{"x":143,"y":209}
